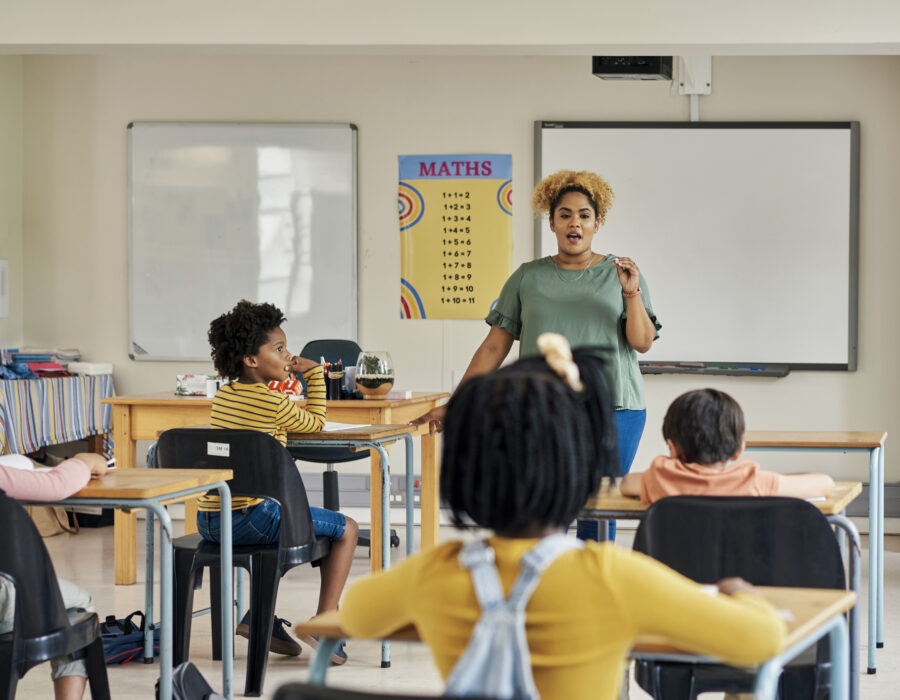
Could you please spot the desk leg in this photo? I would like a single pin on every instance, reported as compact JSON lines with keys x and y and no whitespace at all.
{"x":431,"y":494}
{"x":124,"y":523}
{"x":385,"y":533}
{"x":190,"y":516}
{"x":879,"y":639}
{"x":836,"y":629}
{"x":165,"y":594}
{"x":375,"y":513}
{"x":852,"y":539}
{"x":148,"y":588}
{"x":874,"y":529}
{"x":225,"y":561}
{"x":410,"y":515}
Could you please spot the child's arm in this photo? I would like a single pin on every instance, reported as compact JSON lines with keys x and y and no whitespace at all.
{"x":631,"y":485}
{"x":807,"y":485}
{"x":294,"y":419}
{"x":740,"y":628}
{"x":377,"y":605}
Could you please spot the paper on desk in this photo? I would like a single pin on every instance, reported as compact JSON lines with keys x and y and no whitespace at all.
{"x":16,"y":462}
{"x":330,"y":426}
{"x":817,"y":499}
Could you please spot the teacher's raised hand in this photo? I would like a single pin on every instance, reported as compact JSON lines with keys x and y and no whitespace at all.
{"x":629,"y":275}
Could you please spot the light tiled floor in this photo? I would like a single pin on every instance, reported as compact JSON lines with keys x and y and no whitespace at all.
{"x":88,"y":559}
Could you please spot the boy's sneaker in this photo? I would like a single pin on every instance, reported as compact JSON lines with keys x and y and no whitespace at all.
{"x":338,"y":657}
{"x":281,"y":642}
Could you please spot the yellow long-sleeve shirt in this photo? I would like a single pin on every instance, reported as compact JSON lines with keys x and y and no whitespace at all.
{"x":581,"y":621}
{"x":255,"y":407}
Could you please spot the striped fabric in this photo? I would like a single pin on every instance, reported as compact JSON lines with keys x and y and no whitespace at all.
{"x":39,"y":412}
{"x":256,"y":407}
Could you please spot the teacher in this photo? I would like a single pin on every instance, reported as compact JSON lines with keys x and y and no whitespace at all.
{"x":590,"y":298}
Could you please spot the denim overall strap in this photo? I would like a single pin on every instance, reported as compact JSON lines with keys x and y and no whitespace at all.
{"x":496,"y":662}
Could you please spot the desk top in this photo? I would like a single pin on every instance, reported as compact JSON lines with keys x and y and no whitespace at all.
{"x":168,"y":398}
{"x":814,"y":438}
{"x":134,"y":484}
{"x":611,"y":499}
{"x":810,"y":607}
{"x":362,"y":432}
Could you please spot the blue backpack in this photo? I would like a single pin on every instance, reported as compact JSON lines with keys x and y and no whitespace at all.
{"x":123,"y":640}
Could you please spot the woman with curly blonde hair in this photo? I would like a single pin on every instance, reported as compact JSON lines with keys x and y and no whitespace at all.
{"x":590,"y":298}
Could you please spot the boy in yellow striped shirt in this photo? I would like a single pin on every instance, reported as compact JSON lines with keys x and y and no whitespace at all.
{"x":249,"y":348}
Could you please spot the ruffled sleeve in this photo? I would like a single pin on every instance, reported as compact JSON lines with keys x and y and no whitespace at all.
{"x":507,"y":311}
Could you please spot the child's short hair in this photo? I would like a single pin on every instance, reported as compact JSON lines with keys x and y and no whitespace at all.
{"x":707,"y":425}
{"x":239,"y":333}
{"x":522,"y":448}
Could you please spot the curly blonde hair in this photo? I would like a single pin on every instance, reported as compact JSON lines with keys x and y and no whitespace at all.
{"x":551,"y":189}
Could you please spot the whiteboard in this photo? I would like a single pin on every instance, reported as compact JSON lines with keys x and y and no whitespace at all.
{"x":230,"y":211}
{"x":747,"y":233}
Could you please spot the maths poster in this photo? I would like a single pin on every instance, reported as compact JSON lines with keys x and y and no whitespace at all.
{"x":456,"y":234}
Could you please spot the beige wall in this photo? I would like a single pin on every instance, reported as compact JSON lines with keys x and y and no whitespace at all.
{"x":76,"y":109}
{"x":11,"y":194}
{"x":564,"y":27}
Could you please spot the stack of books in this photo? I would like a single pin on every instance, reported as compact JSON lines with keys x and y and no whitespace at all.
{"x":45,"y":363}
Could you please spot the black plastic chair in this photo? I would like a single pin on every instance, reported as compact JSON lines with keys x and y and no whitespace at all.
{"x":303,"y":691}
{"x":769,"y":541}
{"x":332,"y":350}
{"x":42,"y":629}
{"x":262,"y":468}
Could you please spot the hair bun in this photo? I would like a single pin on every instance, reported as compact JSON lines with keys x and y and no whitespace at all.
{"x":558,"y":354}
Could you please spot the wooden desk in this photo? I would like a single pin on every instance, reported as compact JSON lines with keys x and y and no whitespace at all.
{"x":144,"y":416}
{"x":376,"y":438}
{"x":814,"y":612}
{"x":152,"y":489}
{"x":846,"y":441}
{"x":610,"y":503}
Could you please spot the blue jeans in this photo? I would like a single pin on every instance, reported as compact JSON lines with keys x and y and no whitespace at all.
{"x":630,"y":427}
{"x":261,"y":524}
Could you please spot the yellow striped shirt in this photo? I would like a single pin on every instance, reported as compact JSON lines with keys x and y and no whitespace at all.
{"x":255,"y":407}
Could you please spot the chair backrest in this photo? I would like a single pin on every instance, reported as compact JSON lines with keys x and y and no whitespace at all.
{"x":769,"y":541}
{"x":25,"y":561}
{"x":332,"y":349}
{"x":262,"y":468}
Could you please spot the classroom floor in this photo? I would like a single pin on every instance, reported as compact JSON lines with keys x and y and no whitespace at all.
{"x":76,"y":557}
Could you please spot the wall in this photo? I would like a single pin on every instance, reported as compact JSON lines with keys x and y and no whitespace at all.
{"x":11,"y":194}
{"x":76,"y":109}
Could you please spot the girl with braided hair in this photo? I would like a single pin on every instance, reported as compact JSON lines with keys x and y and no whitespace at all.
{"x":590,"y":298}
{"x":524,"y":447}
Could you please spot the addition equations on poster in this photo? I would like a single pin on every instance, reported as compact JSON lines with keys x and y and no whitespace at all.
{"x":456,"y":234}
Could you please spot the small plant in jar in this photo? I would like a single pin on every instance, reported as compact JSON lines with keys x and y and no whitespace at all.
{"x":374,"y":373}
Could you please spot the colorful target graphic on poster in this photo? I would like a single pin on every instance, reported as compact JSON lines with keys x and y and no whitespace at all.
{"x":455,"y":215}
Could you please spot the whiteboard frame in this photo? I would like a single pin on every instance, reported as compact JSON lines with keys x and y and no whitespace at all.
{"x":354,"y":217}
{"x":853,"y":129}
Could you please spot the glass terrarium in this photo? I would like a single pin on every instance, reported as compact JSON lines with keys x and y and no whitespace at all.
{"x":374,"y":373}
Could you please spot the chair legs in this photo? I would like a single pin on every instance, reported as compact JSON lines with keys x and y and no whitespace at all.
{"x":264,"y":579}
{"x":96,"y":670}
{"x":183,"y":604}
{"x":8,"y":676}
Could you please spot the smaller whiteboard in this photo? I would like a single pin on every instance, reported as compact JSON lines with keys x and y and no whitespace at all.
{"x":224,"y":212}
{"x":747,"y":232}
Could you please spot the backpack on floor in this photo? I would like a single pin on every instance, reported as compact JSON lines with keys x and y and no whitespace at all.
{"x":189,"y":684}
{"x":123,"y":640}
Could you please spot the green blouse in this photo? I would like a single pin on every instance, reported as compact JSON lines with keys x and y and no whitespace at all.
{"x":587,"y":308}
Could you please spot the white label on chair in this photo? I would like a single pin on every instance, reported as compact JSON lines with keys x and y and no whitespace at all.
{"x":218,"y":449}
